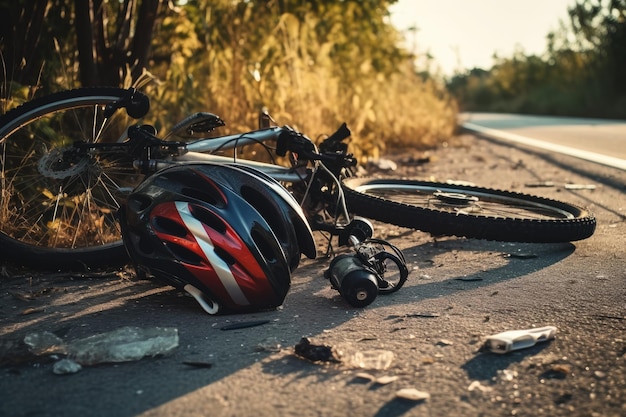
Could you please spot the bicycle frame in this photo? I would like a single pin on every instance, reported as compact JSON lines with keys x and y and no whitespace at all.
{"x":203,"y":150}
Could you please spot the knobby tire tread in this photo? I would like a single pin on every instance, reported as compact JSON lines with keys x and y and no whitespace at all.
{"x":442,"y":223}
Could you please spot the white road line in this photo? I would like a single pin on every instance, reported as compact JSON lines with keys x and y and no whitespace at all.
{"x":565,"y":150}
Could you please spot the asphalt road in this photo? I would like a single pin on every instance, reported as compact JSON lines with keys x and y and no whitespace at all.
{"x":459,"y":292}
{"x":599,"y":140}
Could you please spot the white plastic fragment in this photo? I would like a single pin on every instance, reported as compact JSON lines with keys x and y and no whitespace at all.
{"x":519,"y":339}
{"x":580,"y":187}
{"x":368,"y":359}
{"x":476,"y":385}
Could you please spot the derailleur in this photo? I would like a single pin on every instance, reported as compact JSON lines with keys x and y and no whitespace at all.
{"x":376,"y":267}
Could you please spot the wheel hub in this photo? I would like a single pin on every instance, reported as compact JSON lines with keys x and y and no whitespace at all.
{"x":457,"y":199}
{"x":61,"y":163}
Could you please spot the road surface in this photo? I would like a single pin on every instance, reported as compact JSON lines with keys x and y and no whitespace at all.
{"x":459,"y":292}
{"x":598,"y":140}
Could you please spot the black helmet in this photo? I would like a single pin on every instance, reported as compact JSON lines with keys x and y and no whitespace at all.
{"x":228,"y":236}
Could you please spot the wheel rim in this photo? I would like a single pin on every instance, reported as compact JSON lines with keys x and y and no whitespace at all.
{"x":460,"y":200}
{"x":54,"y":195}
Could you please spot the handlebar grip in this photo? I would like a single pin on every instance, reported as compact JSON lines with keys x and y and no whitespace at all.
{"x":294,"y":142}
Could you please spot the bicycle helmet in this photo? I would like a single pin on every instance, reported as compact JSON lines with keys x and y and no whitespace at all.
{"x":225,"y":235}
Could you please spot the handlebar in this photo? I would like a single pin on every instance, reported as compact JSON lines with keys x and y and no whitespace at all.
{"x":331,"y":150}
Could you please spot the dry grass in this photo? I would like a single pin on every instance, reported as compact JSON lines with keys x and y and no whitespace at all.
{"x":293,"y":75}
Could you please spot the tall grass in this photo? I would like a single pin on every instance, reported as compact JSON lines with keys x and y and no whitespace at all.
{"x":291,"y":73}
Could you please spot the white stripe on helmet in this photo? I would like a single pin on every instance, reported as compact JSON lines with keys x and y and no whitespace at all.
{"x":204,"y":241}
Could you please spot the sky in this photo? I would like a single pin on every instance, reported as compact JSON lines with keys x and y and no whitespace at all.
{"x":466,"y":33}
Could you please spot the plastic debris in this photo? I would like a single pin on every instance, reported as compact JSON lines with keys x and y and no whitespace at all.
{"x":580,"y":187}
{"x":44,"y":343}
{"x":271,"y":344}
{"x":123,"y":345}
{"x":412,"y":394}
{"x":66,"y":366}
{"x":244,"y":324}
{"x":540,"y":184}
{"x":519,"y":339}
{"x":362,"y":359}
{"x":198,"y":364}
{"x":368,"y":359}
{"x":382,"y":380}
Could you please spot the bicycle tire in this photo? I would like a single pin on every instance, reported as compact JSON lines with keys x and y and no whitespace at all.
{"x":59,"y":206}
{"x":467,"y":211}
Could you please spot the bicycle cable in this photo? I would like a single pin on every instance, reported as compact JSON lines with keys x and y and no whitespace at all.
{"x":267,"y":148}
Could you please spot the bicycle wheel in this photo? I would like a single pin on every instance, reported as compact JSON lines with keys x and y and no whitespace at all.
{"x":58,"y":204}
{"x":475,"y":212}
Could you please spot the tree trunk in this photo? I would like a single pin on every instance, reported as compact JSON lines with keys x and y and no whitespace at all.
{"x":85,"y":43}
{"x":20,"y":33}
{"x":143,"y":36}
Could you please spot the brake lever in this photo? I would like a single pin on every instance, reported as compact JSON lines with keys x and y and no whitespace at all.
{"x":333,"y":143}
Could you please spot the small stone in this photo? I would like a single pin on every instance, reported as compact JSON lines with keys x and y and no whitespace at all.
{"x":386,"y":164}
{"x":412,"y":394}
{"x":562,"y":368}
{"x":364,"y":375}
{"x":66,"y":366}
{"x":271,"y":344}
{"x":384,"y":380}
{"x":476,"y":385}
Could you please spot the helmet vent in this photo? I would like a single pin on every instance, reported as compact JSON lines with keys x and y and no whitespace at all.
{"x":169,"y":226}
{"x":208,"y":195}
{"x":226,"y":257}
{"x":183,"y":254}
{"x":207,"y":218}
{"x":264,"y":246}
{"x":265,"y":208}
{"x":138,"y":202}
{"x":145,"y":246}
